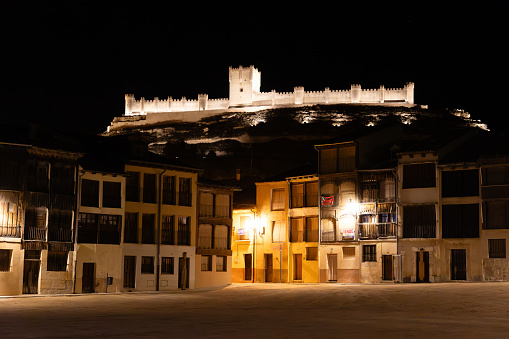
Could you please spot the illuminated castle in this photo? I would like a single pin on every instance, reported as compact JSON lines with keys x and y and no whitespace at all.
{"x":245,"y":92}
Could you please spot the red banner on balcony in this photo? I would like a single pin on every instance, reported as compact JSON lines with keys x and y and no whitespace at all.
{"x":326,"y":201}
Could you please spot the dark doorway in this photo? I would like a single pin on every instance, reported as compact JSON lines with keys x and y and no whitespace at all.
{"x":130,"y":272}
{"x":87,"y":282}
{"x":184,"y":264}
{"x":387,"y":267}
{"x":297,"y":266}
{"x":459,"y":264}
{"x":248,"y":266}
{"x":332,"y":260}
{"x":31,"y":276}
{"x":422,"y":269}
{"x":268,"y":268}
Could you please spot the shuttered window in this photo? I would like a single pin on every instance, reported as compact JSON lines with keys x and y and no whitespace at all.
{"x":278,"y":199}
{"x":205,"y":236}
{"x":278,"y":231}
{"x":419,"y":175}
{"x":497,"y":214}
{"x":460,"y":221}
{"x":419,"y":221}
{"x":464,"y":183}
{"x":297,"y":230}
{"x":221,"y":237}
{"x":496,"y":248}
{"x":311,"y":231}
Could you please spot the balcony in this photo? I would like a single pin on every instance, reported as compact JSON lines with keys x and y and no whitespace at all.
{"x":35,"y":233}
{"x":10,"y":231}
{"x":60,"y":234}
{"x":377,"y":230}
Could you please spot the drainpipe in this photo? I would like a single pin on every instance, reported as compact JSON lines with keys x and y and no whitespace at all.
{"x":159,"y":224}
{"x":78,"y":199}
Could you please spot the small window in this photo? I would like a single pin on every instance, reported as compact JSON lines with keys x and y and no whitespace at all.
{"x":311,"y":253}
{"x":278,"y":231}
{"x":206,"y":263}
{"x":111,"y":194}
{"x":348,"y":252}
{"x":369,"y":253}
{"x":221,"y":263}
{"x":496,"y":248}
{"x":167,"y":265}
{"x":244,"y":231}
{"x":147,"y":265}
{"x":5,"y":260}
{"x":57,"y":261}
{"x":90,"y":193}
{"x":278,"y":199}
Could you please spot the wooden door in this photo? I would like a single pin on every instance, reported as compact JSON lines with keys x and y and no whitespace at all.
{"x":87,"y":281}
{"x":459,"y":264}
{"x":248,"y":267}
{"x":184,"y":264}
{"x":297,"y":267}
{"x":268,"y":268}
{"x":332,"y":262}
{"x":422,"y":266}
{"x":129,"y":271}
{"x":387,"y":267}
{"x":31,"y":276}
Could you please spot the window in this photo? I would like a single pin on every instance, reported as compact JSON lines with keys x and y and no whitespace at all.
{"x":328,"y":229}
{"x":168,"y":230}
{"x":244,"y":231}
{"x":346,"y":159}
{"x":57,"y":261}
{"x":497,"y":214}
{"x":340,"y":159}
{"x":348,"y":252}
{"x":89,"y":193}
{"x":35,"y":224}
{"x":184,"y":231}
{"x":132,"y":188}
{"x":311,"y":253}
{"x":111,"y":194}
{"x":419,"y":175}
{"x":5,"y":260}
{"x":419,"y":221}
{"x":369,"y":253}
{"x":149,"y":188}
{"x":311,"y":231}
{"x":463,"y":183}
{"x":185,"y":192}
{"x":147,"y":265}
{"x":167,"y":265}
{"x":62,"y":179}
{"x":206,"y":204}
{"x":278,"y":231}
{"x":496,"y":248}
{"x":38,"y":176}
{"x":304,"y":194}
{"x":297,"y":230}
{"x":9,"y":174}
{"x":222,"y":209}
{"x":205,"y":236}
{"x":131,"y":228}
{"x":206,"y":263}
{"x":278,"y":199}
{"x":460,"y":221}
{"x":169,"y":191}
{"x":221,"y":237}
{"x":148,"y":229}
{"x":221,"y":263}
{"x":60,"y":225}
{"x":497,"y":175}
{"x":109,"y":229}
{"x":87,"y":228}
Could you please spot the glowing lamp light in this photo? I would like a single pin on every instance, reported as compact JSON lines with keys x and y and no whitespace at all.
{"x":352,"y":207}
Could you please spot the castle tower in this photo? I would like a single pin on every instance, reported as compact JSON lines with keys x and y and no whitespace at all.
{"x":409,"y":87}
{"x":244,"y":81}
{"x":129,"y":98}
{"x":355,"y":91}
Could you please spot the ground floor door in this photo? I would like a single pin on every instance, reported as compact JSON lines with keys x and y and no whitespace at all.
{"x":459,"y":264}
{"x":184,"y":264}
{"x":332,"y":264}
{"x":31,"y":276}
{"x":422,"y":266}
{"x":297,"y":267}
{"x":248,"y":267}
{"x":129,"y":271}
{"x":87,"y":282}
{"x":387,"y":267}
{"x":268,"y":268}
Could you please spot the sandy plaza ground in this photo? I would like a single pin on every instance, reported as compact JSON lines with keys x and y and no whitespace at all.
{"x":448,"y":310}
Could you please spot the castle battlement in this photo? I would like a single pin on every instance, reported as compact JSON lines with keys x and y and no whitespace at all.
{"x":245,"y":92}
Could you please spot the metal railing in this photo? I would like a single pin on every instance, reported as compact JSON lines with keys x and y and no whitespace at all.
{"x":377,"y":230}
{"x":10,"y":231}
{"x":35,"y":233}
{"x":60,"y":234}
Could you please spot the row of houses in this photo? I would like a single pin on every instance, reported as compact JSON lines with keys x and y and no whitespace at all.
{"x":378,"y":207}
{"x":114,"y":219}
{"x":382,"y":207}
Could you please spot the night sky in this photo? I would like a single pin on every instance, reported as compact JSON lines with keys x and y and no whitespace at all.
{"x":69,"y":63}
